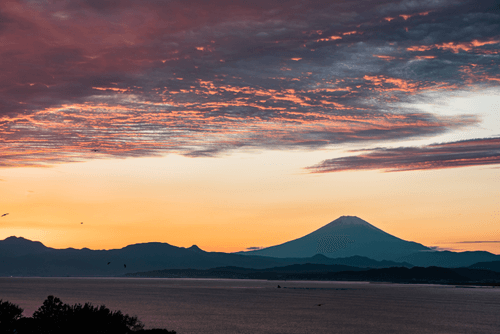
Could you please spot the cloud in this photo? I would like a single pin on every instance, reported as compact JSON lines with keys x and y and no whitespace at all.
{"x":477,"y":242}
{"x":253,"y":248}
{"x":464,"y":153}
{"x":441,"y":249}
{"x":206,"y":78}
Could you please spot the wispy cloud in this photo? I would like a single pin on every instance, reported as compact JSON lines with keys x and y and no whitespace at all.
{"x":441,"y":249}
{"x":446,"y":155}
{"x":204,"y":78}
{"x":478,"y":242}
{"x":253,"y":248}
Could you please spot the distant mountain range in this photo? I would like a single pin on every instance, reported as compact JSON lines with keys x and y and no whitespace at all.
{"x":434,"y":275}
{"x":493,"y":266}
{"x":347,"y":241}
{"x":22,"y":257}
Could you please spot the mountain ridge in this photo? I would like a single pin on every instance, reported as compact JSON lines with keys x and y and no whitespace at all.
{"x":45,"y":261}
{"x":414,"y":275}
{"x":23,"y":257}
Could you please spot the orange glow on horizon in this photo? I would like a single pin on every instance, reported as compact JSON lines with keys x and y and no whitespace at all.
{"x":219,"y":205}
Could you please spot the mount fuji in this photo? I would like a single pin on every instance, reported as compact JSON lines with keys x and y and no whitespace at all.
{"x":344,"y":237}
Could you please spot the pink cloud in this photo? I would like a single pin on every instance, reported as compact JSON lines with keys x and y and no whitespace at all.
{"x":144,"y":78}
{"x":465,"y":153}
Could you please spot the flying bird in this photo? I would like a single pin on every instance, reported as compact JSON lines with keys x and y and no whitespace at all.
{"x":109,"y":263}
{"x":5,"y":214}
{"x":95,"y":150}
{"x":124,"y":266}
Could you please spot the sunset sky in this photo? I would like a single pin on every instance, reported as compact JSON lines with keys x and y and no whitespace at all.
{"x":233,"y":124}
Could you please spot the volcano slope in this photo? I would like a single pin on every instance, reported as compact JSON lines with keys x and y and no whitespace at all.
{"x":344,"y":237}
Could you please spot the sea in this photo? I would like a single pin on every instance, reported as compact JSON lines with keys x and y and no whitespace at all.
{"x":210,"y":306}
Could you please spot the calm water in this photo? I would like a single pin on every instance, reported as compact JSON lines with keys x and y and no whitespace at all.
{"x":248,"y":306}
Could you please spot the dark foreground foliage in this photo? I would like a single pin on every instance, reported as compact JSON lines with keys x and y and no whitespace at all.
{"x":55,"y":317}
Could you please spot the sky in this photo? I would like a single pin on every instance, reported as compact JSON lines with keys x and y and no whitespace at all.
{"x":240,"y":124}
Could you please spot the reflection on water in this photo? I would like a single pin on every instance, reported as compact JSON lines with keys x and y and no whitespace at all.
{"x":249,"y":306}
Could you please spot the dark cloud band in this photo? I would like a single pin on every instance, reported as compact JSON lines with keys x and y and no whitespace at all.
{"x":478,"y":242}
{"x":447,"y":155}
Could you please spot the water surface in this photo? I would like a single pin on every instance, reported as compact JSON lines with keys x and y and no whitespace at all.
{"x":251,"y":306}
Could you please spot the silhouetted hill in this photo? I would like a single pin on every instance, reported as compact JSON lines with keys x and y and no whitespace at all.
{"x":247,"y":273}
{"x":21,"y":257}
{"x":448,"y":259}
{"x":422,"y":275}
{"x":344,"y":237}
{"x":18,"y":246}
{"x":478,"y":275}
{"x":355,"y":261}
{"x":492,"y":265}
{"x":197,"y":249}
